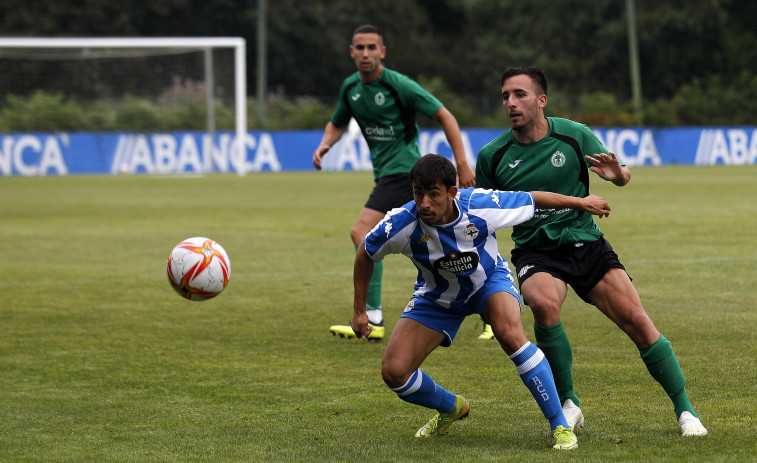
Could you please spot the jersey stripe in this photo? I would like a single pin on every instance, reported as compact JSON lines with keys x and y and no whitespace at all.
{"x":453,"y":260}
{"x":496,"y":159}
{"x":583,"y":175}
{"x":406,"y":115}
{"x":346,"y":97}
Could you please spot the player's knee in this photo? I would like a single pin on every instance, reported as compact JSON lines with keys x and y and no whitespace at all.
{"x":393,"y":377}
{"x":637,"y":318}
{"x":546,"y":311}
{"x":356,"y":236}
{"x":639,"y":327}
{"x":510,"y":339}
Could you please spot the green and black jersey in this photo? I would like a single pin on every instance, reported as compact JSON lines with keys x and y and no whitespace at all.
{"x":385,"y":110}
{"x":555,"y":163}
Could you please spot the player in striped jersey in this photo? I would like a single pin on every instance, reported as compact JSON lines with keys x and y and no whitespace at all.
{"x":449,"y":235}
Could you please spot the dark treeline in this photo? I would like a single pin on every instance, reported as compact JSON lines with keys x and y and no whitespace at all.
{"x":698,"y":59}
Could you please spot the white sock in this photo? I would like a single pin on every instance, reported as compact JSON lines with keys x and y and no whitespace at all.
{"x":375,"y":316}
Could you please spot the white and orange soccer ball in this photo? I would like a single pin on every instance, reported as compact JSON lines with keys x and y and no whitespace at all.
{"x":198,"y":269}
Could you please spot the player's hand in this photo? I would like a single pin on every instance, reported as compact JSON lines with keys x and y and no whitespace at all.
{"x":596,"y":205}
{"x":318,"y":156}
{"x":465,"y":176}
{"x":607,"y":166}
{"x":360,"y":325}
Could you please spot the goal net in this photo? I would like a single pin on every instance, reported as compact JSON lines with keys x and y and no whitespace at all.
{"x":125,"y":85}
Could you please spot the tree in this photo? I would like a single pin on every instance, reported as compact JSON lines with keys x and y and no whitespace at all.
{"x":460,"y":45}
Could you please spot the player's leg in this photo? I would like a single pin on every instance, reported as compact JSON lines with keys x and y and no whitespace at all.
{"x":365,"y":222}
{"x":618,"y":299}
{"x":545,"y":294}
{"x":390,"y":191}
{"x":411,"y":342}
{"x":615,"y":296}
{"x":423,"y":326}
{"x":502,"y":311}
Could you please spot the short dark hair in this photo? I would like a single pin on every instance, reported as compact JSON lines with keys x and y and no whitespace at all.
{"x":536,"y":74}
{"x":368,"y":29}
{"x":432,"y":169}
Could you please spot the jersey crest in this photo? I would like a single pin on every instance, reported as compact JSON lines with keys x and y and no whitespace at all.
{"x":471,"y":232}
{"x":558,"y":159}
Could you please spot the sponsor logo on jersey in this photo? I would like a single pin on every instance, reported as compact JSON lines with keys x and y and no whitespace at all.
{"x":558,"y":159}
{"x":546,"y":213}
{"x":515,"y":163}
{"x":355,"y":97}
{"x":524,"y":270}
{"x":380,"y":99}
{"x":460,"y":263}
{"x":380,"y":133}
{"x":470,"y":233}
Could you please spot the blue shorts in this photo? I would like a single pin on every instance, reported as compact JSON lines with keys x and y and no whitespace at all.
{"x":448,"y":321}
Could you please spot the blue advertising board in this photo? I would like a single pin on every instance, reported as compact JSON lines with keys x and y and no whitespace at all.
{"x":42,"y":154}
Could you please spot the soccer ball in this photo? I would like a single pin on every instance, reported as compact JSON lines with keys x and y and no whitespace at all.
{"x":198,"y":269}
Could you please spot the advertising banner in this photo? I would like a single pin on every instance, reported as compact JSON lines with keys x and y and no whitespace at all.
{"x":58,"y":154}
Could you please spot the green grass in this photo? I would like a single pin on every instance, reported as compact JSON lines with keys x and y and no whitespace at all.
{"x":101,"y":361}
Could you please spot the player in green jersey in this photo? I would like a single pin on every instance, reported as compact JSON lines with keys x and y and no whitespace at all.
{"x":384,"y":104}
{"x":561,"y":247}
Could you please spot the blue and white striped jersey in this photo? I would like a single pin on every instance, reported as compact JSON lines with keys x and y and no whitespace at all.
{"x":453,"y":260}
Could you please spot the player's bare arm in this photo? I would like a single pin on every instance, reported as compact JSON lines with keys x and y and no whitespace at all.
{"x":361,"y":278}
{"x":608,"y":167}
{"x":593,"y":204}
{"x":465,"y":174}
{"x":331,"y":135}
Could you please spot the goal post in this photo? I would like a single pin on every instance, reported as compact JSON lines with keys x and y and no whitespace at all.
{"x":124,"y":47}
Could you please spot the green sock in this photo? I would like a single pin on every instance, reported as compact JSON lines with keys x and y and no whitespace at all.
{"x":553,"y":341}
{"x":663,"y":366}
{"x":374,"y":287}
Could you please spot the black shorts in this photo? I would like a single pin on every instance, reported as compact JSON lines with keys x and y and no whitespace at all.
{"x":390,"y":192}
{"x":579,"y":266}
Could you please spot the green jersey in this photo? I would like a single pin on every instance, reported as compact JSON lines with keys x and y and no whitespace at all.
{"x":385,"y":111}
{"x":555,"y":163}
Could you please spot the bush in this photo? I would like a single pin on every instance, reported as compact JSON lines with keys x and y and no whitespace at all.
{"x":462,"y":111}
{"x":717,"y":102}
{"x":660,"y":113}
{"x":46,"y":112}
{"x":289,"y":113}
{"x":140,"y":115}
{"x":41,"y":112}
{"x":182,"y":107}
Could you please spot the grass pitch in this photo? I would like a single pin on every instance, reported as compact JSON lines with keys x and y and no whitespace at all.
{"x":101,"y":361}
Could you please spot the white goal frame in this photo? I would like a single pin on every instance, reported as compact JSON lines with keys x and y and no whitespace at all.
{"x":194,"y":43}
